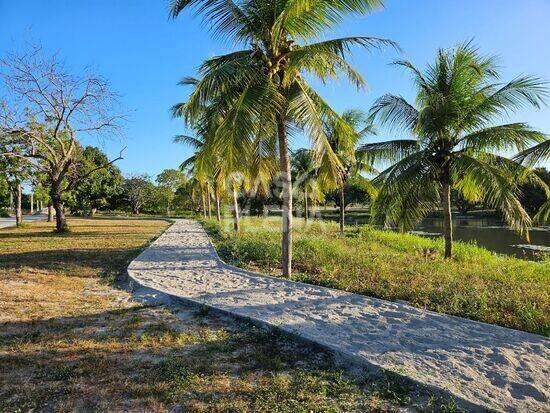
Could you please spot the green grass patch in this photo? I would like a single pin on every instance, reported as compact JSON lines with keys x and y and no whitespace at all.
{"x":475,"y":284}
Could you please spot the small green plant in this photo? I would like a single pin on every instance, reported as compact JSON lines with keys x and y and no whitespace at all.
{"x":203,"y":311}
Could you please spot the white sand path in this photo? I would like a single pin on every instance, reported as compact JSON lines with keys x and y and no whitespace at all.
{"x":486,"y":365}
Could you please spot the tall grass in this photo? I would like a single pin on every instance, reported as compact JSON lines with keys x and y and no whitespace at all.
{"x":475,"y":284}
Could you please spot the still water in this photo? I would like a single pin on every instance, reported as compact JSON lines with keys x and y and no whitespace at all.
{"x":491,"y":234}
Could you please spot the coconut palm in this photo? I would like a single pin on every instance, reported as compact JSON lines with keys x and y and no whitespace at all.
{"x":305,"y":173}
{"x":249,"y":168}
{"x":531,"y":157}
{"x":347,"y":147}
{"x":262,"y":87}
{"x":456,"y":141}
{"x":229,"y":168}
{"x":197,"y":167}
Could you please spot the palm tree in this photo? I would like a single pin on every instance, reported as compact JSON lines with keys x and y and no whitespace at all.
{"x":192,"y":168}
{"x":305,"y":171}
{"x":531,"y":157}
{"x":456,"y":141}
{"x":262,"y":87}
{"x":346,"y":146}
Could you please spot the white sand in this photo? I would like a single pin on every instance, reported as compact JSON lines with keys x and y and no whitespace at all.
{"x":487,"y":365}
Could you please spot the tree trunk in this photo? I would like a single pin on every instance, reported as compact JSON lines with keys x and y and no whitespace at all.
{"x":60,"y":219}
{"x":93,"y":211}
{"x":286,"y":258}
{"x":12,"y":208}
{"x":218,"y":211}
{"x":18,"y":209}
{"x":306,"y":206}
{"x":208,"y":201}
{"x":32,"y":202}
{"x":342,"y":208}
{"x":50,"y":212}
{"x":447,"y":218}
{"x":203,"y":204}
{"x":236,"y":217}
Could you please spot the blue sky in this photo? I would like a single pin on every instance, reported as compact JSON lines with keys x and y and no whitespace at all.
{"x":143,"y":54}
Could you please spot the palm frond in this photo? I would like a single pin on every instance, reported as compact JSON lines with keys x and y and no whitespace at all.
{"x":394,"y":111}
{"x":500,"y":189}
{"x":500,"y":100}
{"x":408,"y":192}
{"x":513,"y":136}
{"x":543,"y":214}
{"x":535,"y":154}
{"x":311,"y":112}
{"x":392,"y":150}
{"x":195,"y":143}
{"x":306,"y":18}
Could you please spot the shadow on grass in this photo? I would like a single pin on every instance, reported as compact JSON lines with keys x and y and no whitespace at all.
{"x":147,"y":355}
{"x":108,"y":262}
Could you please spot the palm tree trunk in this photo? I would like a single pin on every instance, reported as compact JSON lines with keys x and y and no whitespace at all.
{"x":208,"y":201}
{"x":342,"y":208}
{"x":236,"y":217}
{"x":218,"y":211}
{"x":32,"y":202}
{"x":447,"y":217}
{"x":306,"y":211}
{"x":18,"y":209}
{"x":286,"y":258}
{"x":203,"y":204}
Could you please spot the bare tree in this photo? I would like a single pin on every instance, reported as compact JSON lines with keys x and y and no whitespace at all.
{"x":49,"y":109}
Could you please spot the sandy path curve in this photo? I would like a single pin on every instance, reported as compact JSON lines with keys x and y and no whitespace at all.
{"x":486,"y":365}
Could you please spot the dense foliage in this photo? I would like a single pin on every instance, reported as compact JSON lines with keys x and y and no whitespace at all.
{"x":95,"y":185}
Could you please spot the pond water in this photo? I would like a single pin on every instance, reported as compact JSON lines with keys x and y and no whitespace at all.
{"x":491,"y":234}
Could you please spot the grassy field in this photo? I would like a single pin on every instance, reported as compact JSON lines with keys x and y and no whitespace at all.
{"x":70,"y":341}
{"x":475,"y":284}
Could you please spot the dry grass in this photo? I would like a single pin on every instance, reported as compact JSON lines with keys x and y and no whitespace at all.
{"x":69,"y":341}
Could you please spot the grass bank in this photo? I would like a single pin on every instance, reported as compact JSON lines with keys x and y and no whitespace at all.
{"x":475,"y":284}
{"x":69,"y":341}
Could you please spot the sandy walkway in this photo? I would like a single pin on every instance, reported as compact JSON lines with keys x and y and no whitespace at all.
{"x":490,"y":366}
